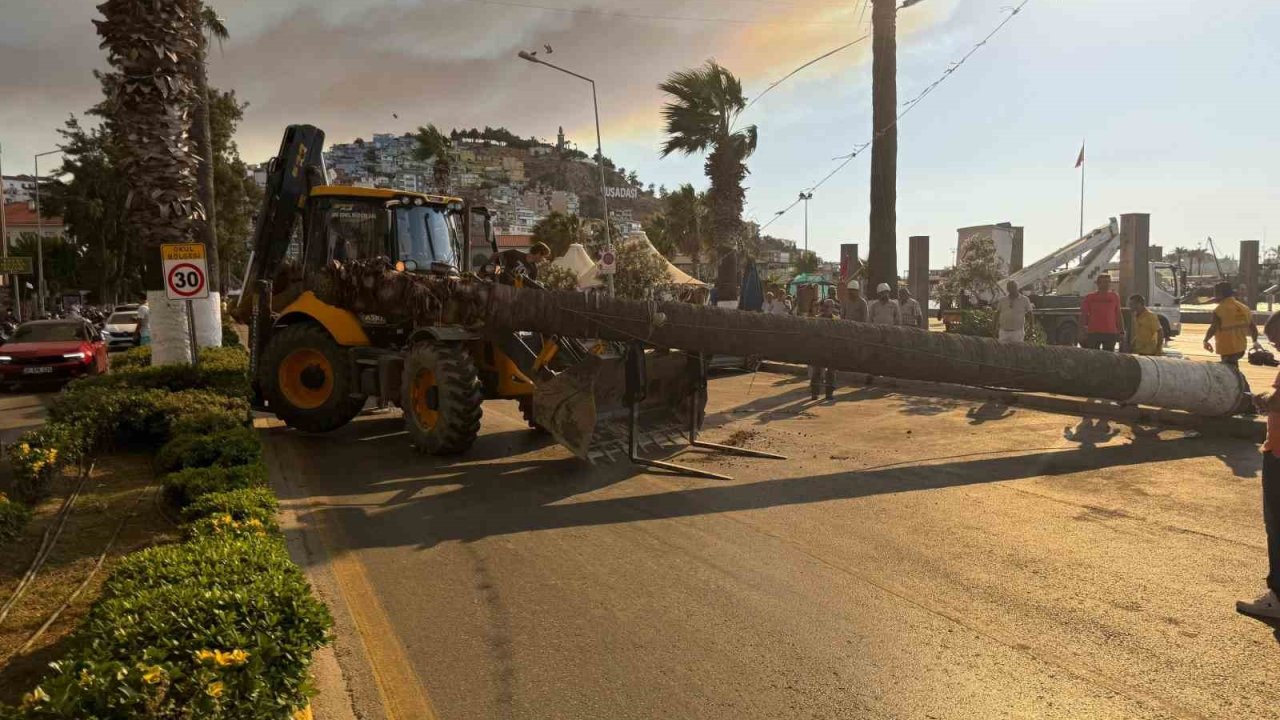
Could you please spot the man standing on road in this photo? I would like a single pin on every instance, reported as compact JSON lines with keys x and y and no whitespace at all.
{"x":884,"y":311}
{"x":1101,"y":323}
{"x":824,"y":376}
{"x":143,"y":330}
{"x":1268,"y":604}
{"x":1011,"y":314}
{"x":912,"y":315}
{"x":856,"y":309}
{"x":1147,"y":336}
{"x":1232,"y":321}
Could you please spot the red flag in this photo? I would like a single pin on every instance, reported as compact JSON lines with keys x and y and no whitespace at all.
{"x":1080,"y":160}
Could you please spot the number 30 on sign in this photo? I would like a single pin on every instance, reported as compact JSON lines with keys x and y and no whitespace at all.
{"x":186,"y":275}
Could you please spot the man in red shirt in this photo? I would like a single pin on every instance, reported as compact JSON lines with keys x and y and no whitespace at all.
{"x":1101,"y":325}
{"x":1268,"y":604}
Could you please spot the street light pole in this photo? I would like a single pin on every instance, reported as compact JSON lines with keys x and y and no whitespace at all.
{"x":806,"y":197}
{"x":4,"y":235}
{"x":604,"y":193}
{"x":40,"y":237}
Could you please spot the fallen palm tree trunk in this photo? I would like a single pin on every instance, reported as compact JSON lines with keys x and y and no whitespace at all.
{"x":1202,"y":388}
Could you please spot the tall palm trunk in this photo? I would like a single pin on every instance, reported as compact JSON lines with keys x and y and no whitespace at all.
{"x":152,"y":46}
{"x":882,"y":257}
{"x":208,"y":311}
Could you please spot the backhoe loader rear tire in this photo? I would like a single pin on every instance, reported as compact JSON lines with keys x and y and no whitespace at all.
{"x":442,"y":398}
{"x":306,"y":380}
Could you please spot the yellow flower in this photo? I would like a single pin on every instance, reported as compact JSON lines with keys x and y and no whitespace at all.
{"x":24,"y":448}
{"x":214,"y":689}
{"x":86,"y":677}
{"x":153,"y":675}
{"x":233,"y":658}
{"x":35,"y":696}
{"x":204,"y":655}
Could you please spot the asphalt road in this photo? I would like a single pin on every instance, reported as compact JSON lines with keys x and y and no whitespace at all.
{"x":21,"y":411}
{"x":916,"y":558}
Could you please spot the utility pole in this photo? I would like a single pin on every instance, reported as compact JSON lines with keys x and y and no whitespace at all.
{"x":882,"y":257}
{"x":806,"y":197}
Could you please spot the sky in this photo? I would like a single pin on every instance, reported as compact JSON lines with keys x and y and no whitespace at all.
{"x":1175,"y":99}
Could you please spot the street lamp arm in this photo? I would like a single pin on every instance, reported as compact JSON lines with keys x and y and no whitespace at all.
{"x":525,"y":55}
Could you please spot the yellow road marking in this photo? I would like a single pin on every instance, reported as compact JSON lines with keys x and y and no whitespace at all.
{"x":403,"y":697}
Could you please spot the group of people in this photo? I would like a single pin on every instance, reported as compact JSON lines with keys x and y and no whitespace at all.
{"x":905,"y":311}
{"x":1102,"y":324}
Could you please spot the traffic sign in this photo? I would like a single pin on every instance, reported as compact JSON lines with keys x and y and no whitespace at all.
{"x":186,"y":275}
{"x":15,"y":265}
{"x":608,"y":262}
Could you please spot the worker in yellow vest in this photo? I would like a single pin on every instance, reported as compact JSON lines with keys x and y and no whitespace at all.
{"x":1232,"y":323}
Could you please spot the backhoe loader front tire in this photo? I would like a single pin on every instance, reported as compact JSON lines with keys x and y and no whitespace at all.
{"x":306,"y":380}
{"x":442,"y":398}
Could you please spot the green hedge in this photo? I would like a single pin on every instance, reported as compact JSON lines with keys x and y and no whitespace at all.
{"x":238,"y":446}
{"x":220,"y":626}
{"x":14,"y":516}
{"x":224,"y":370}
{"x":184,"y":487}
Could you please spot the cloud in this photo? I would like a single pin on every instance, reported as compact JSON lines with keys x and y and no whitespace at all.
{"x":348,"y":67}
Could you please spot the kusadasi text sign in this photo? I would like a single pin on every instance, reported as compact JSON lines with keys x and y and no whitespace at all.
{"x":186,"y":274}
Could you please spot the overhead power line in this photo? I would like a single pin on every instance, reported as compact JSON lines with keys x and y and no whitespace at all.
{"x":906,"y":108}
{"x":786,"y":77}
{"x":642,"y":16}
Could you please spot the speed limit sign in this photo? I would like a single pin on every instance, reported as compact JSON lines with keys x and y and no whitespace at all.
{"x":186,"y":275}
{"x":608,"y":261}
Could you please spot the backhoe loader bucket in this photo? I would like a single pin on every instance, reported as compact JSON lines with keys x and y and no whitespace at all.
{"x":588,"y":407}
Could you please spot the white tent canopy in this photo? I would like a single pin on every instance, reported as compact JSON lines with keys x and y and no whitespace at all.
{"x":676,"y":276}
{"x":576,"y":260}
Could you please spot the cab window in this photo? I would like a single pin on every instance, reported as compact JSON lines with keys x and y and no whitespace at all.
{"x":354,"y":230}
{"x":426,"y":235}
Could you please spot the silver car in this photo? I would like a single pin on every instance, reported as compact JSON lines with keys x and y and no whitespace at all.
{"x":121,"y":330}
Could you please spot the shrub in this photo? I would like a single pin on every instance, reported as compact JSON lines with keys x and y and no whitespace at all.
{"x":221,"y":626}
{"x":230,"y":338}
{"x":126,"y":416}
{"x":244,"y":504}
{"x":239,"y":446}
{"x":138,"y":357}
{"x":186,"y":486}
{"x":14,"y":517}
{"x":40,"y":454}
{"x":224,"y":370}
{"x":982,"y":323}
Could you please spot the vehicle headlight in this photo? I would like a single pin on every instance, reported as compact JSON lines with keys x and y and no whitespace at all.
{"x":75,"y":356}
{"x":5,"y":359}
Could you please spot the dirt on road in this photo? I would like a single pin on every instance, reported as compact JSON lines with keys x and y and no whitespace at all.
{"x":916,"y":557}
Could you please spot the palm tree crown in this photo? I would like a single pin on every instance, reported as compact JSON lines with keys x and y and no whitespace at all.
{"x":701,"y":117}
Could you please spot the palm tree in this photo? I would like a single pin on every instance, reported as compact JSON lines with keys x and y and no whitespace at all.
{"x":700,"y":117}
{"x":209,"y":318}
{"x":153,"y":47}
{"x":434,"y":144}
{"x":559,"y":231}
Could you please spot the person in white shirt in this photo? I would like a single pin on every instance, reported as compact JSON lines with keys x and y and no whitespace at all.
{"x":912,"y":314}
{"x":885,"y":310}
{"x":1011,"y":314}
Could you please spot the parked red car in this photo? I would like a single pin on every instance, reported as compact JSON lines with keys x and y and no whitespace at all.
{"x":49,"y":351}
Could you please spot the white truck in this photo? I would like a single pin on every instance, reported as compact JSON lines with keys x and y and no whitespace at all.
{"x":1058,"y":281}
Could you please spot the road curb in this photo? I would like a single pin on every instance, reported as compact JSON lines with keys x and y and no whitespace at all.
{"x":337,"y":696}
{"x":1245,"y":428}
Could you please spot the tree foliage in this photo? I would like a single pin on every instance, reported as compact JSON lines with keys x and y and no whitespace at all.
{"x":434,"y":145}
{"x":701,"y":117}
{"x":639,"y":272}
{"x":558,"y":231}
{"x":807,"y":261}
{"x":977,"y":273}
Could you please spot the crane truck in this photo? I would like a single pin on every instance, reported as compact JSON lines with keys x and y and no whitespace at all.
{"x":1057,"y":282}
